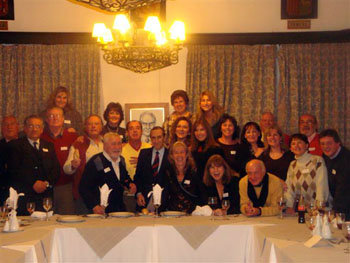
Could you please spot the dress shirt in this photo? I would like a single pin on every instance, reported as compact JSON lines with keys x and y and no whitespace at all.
{"x":32,"y":143}
{"x":115,"y":164}
{"x":311,"y":137}
{"x":161,"y":154}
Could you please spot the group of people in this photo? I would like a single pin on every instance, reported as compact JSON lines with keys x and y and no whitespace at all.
{"x":192,"y":157}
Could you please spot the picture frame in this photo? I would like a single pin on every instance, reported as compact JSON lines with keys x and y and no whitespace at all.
{"x":139,"y":15}
{"x":298,"y":9}
{"x":7,"y":11}
{"x":149,"y":114}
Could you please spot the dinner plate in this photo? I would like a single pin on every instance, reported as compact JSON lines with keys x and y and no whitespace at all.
{"x":121,"y":214}
{"x":70,"y":219}
{"x":173,"y":213}
{"x":13,"y":231}
{"x":95,"y":216}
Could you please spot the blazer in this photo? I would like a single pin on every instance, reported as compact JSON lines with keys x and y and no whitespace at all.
{"x":26,"y":165}
{"x":144,"y":178}
{"x":99,"y":171}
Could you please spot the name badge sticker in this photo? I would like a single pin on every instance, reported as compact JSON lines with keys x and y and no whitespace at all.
{"x":67,"y":122}
{"x":64,"y":148}
{"x":312,"y":148}
{"x":225,"y":195}
{"x":187,"y":182}
{"x":334,"y":172}
{"x":305,"y":171}
{"x":106,"y":170}
{"x":45,"y":150}
{"x":232,"y":152}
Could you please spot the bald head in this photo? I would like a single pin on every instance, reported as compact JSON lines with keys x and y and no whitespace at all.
{"x":255,"y":170}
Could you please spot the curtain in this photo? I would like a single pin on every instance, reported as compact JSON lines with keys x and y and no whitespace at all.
{"x":31,"y":72}
{"x":315,"y":78}
{"x":242,"y":77}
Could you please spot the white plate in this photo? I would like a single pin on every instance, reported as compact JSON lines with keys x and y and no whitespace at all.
{"x":70,"y":219}
{"x":95,"y":216}
{"x":172,"y":213}
{"x":121,"y":214}
{"x":10,"y":231}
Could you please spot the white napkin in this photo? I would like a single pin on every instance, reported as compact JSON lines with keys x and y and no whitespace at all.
{"x":41,"y":215}
{"x":318,"y":226}
{"x":104,"y":193}
{"x":157,"y":194}
{"x":326,"y":230}
{"x":202,"y":211}
{"x":13,"y":198}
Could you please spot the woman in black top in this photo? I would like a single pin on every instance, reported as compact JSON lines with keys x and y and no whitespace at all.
{"x":221,"y":184}
{"x":185,"y":189}
{"x":203,"y":145}
{"x":276,"y":157}
{"x":114,"y":115}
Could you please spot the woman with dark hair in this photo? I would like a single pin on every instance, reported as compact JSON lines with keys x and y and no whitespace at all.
{"x":276,"y":157}
{"x":60,"y":97}
{"x":221,"y":184}
{"x":203,"y":145}
{"x":114,"y":115}
{"x":179,"y":100}
{"x":185,"y":189}
{"x":210,"y":110}
{"x":181,"y":131}
{"x":228,"y":141}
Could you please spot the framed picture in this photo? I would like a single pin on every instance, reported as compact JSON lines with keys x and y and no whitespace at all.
{"x":139,"y":15}
{"x":7,"y":11}
{"x":298,"y":9}
{"x":149,"y":114}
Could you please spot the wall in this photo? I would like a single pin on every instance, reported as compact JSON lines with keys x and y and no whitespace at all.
{"x":200,"y":16}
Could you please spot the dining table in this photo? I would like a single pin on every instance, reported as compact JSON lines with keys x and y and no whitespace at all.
{"x":234,"y":238}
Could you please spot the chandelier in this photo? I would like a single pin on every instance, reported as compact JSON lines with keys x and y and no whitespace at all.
{"x":118,"y":5}
{"x":140,"y":50}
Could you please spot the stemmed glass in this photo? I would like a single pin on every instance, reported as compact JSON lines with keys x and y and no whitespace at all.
{"x":346,"y":233}
{"x":281,"y":202}
{"x":213,"y":202}
{"x":321,"y":205}
{"x":30,"y":207}
{"x":47,"y":204}
{"x":340,"y":217}
{"x":225,"y":205}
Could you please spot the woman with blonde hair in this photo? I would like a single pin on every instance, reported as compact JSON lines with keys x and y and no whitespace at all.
{"x":222,"y":184}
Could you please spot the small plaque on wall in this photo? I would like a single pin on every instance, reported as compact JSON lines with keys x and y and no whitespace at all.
{"x":299,"y":24}
{"x":4,"y":25}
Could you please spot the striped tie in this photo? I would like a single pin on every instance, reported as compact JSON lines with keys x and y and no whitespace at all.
{"x":155,"y":164}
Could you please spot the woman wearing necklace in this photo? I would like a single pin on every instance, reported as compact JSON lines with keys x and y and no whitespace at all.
{"x":114,"y":115}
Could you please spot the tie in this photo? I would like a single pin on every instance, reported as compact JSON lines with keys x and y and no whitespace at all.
{"x":155,"y":164}
{"x":35,"y":145}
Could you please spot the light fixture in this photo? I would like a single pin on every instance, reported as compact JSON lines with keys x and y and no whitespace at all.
{"x":140,"y":50}
{"x":117,"y":5}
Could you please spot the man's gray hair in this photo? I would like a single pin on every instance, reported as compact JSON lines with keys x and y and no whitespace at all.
{"x":110,"y":135}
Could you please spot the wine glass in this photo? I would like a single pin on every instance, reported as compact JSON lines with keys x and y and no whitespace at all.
{"x":47,"y":204}
{"x":346,"y":233}
{"x":340,"y":217}
{"x":281,"y":202}
{"x":225,"y":205}
{"x":310,"y":221}
{"x":156,"y":206}
{"x":30,"y":207}
{"x":321,"y":205}
{"x":213,"y":202}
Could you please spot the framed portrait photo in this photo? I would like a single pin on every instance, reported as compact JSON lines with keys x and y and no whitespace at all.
{"x":7,"y":11}
{"x":298,"y":9}
{"x":149,"y":114}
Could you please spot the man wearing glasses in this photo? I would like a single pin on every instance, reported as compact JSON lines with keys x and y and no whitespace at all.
{"x":33,"y":165}
{"x":308,"y":127}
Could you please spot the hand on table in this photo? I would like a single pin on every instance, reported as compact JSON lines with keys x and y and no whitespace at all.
{"x":40,"y":186}
{"x":99,"y":209}
{"x":141,"y":200}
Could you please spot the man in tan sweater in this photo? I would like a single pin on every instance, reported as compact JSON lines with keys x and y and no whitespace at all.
{"x":259,"y":191}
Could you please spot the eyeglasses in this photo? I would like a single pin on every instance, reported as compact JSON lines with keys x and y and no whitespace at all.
{"x":36,"y":126}
{"x":307,"y":122}
{"x":52,"y":116}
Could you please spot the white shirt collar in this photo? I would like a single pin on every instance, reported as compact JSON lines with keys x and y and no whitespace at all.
{"x":32,"y":142}
{"x":311,"y":137}
{"x":335,"y":154}
{"x":110,"y":159}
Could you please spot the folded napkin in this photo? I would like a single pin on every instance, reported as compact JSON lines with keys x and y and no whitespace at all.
{"x":13,"y":198}
{"x":104,"y":193}
{"x":41,"y":215}
{"x":202,"y":211}
{"x":157,"y":194}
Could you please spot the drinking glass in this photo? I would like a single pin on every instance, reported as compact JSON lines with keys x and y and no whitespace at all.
{"x":30,"y":207}
{"x":47,"y":204}
{"x":321,"y":205}
{"x":281,"y":204}
{"x":225,"y":205}
{"x":340,"y":217}
{"x":212,"y":202}
{"x":346,"y":233}
{"x":310,"y":221}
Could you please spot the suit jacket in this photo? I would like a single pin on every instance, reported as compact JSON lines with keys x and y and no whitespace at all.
{"x":99,"y":171}
{"x":26,"y":165}
{"x":4,"y":178}
{"x":144,"y":178}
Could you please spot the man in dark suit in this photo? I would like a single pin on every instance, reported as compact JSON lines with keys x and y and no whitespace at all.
{"x":108,"y":168}
{"x":151,"y":166}
{"x":33,"y":166}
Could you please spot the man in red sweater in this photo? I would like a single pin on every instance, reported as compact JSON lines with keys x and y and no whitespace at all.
{"x":62,"y":139}
{"x":308,"y":127}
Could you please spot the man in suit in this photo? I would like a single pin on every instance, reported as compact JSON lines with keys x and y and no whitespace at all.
{"x":108,"y":168}
{"x":151,"y":166}
{"x":33,"y":165}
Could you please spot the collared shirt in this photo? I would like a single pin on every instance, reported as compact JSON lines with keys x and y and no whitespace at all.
{"x":336,"y":153}
{"x":32,"y":143}
{"x":311,"y":137}
{"x":115,"y":164}
{"x":161,"y":154}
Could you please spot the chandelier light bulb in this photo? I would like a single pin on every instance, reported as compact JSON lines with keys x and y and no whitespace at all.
{"x":98,"y":30}
{"x":153,"y":25}
{"x":160,"y":38}
{"x":177,"y":31}
{"x":121,"y":23}
{"x":107,"y":36}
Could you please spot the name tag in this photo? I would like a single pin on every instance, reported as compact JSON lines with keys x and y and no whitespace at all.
{"x":225,"y":195}
{"x":67,"y":122}
{"x":106,"y":170}
{"x":232,"y":152}
{"x":64,"y":148}
{"x":305,"y":171}
{"x":312,"y":148}
{"x":45,"y":150}
{"x":334,"y":172}
{"x":187,"y":182}
{"x":121,"y":136}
